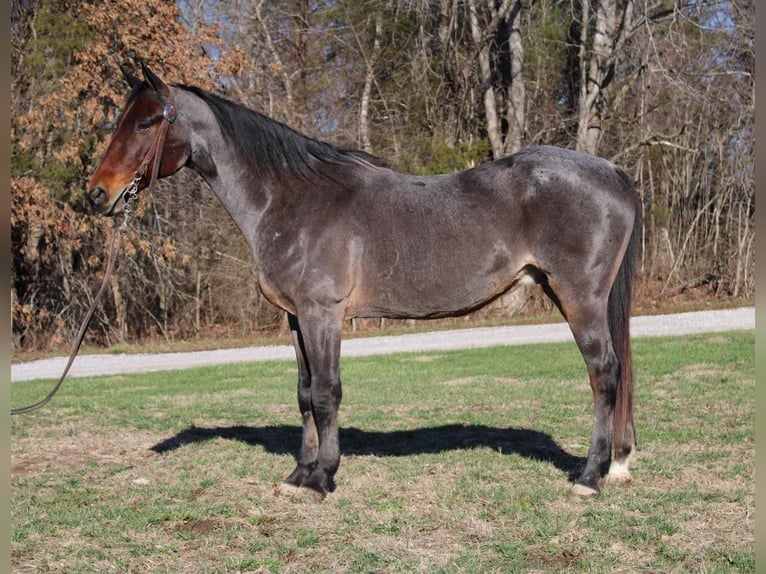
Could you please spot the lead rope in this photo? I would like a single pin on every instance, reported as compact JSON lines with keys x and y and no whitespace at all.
{"x":114,"y":244}
{"x":154,"y":156}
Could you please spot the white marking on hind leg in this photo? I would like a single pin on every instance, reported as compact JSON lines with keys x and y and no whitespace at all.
{"x":619,"y":471}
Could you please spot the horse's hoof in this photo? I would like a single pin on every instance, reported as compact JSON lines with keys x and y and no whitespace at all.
{"x":286,"y":489}
{"x":584,"y":492}
{"x":618,"y":473}
{"x":297,"y":492}
{"x":316,"y":494}
{"x":625,"y":478}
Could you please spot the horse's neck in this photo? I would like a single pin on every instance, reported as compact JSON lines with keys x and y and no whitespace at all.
{"x":241,"y":191}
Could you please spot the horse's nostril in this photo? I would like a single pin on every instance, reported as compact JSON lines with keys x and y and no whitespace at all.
{"x":97,"y":196}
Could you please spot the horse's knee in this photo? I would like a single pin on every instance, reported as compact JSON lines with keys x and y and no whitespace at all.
{"x":326,"y":396}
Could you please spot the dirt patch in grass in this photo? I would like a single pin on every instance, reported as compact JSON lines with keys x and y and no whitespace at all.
{"x":460,"y":382}
{"x":77,"y":444}
{"x":195,"y":527}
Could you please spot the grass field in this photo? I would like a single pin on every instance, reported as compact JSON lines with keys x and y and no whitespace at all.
{"x":452,"y":462}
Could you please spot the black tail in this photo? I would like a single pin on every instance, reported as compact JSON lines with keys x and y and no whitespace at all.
{"x":619,"y":311}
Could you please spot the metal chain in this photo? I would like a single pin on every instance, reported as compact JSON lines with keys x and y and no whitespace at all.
{"x":131,"y":195}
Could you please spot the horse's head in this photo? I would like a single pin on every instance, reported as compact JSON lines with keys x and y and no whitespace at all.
{"x":146,"y":134}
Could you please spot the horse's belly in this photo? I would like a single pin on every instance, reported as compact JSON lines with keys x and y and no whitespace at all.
{"x":438,"y":293}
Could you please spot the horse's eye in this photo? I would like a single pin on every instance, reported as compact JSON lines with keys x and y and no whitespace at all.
{"x":143,"y":126}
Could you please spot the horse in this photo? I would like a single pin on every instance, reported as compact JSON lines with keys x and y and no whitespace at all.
{"x":337,"y":234}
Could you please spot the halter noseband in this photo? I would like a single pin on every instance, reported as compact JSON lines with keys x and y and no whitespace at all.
{"x":169,"y":114}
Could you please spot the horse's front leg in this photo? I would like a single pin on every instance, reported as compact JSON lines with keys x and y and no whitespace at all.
{"x":310,"y":442}
{"x":319,"y":334}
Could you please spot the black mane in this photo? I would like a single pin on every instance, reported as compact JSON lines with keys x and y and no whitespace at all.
{"x":275,"y":147}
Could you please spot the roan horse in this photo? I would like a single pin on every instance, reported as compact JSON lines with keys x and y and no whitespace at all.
{"x":336,"y":234}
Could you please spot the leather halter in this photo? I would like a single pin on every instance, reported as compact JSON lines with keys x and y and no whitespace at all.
{"x":169,"y":113}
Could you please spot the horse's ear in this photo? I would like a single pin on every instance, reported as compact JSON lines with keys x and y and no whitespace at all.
{"x":132,"y":80}
{"x":154,"y":81}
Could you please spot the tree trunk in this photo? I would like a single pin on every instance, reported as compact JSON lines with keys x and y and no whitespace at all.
{"x":278,"y":65}
{"x":483,"y":41}
{"x":120,"y":307}
{"x":597,"y":62}
{"x":364,"y":108}
{"x":516,"y":92}
{"x":490,"y":106}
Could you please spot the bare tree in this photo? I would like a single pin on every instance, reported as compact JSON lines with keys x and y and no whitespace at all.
{"x":600,"y":45}
{"x":483,"y":35}
{"x":371,"y":61}
{"x":517,"y":99}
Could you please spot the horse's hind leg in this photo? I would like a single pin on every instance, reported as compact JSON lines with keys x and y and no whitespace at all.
{"x":310,"y":442}
{"x":591,"y":333}
{"x":589,"y":325}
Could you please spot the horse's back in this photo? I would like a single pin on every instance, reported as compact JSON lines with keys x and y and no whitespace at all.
{"x":444,"y":245}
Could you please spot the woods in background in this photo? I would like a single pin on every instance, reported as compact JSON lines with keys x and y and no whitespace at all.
{"x":664,"y":89}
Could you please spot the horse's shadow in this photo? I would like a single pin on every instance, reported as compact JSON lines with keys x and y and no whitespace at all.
{"x":284,"y":439}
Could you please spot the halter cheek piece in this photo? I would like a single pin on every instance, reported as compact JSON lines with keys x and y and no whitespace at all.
{"x":130,"y":195}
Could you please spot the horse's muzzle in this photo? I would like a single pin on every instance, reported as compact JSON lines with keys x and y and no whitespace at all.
{"x":99,"y":200}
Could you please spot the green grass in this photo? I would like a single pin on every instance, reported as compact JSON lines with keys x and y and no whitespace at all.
{"x":452,"y":462}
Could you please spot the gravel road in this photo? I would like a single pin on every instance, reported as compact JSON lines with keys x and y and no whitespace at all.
{"x":643,"y":326}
